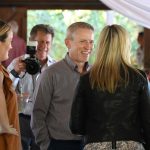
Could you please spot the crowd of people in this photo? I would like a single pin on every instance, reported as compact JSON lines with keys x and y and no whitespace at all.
{"x":70,"y":104}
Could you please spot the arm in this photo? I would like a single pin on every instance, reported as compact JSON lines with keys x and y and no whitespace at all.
{"x":4,"y":121}
{"x":78,"y":111}
{"x":145,"y":112}
{"x":42,"y":98}
{"x":15,"y":68}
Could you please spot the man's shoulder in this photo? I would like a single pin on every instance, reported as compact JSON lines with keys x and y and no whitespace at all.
{"x":55,"y":67}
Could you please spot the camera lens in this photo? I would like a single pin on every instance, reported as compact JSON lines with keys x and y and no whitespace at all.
{"x":32,"y":65}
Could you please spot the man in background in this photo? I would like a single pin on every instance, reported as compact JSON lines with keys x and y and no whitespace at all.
{"x":140,"y":50}
{"x":25,"y":83}
{"x":18,"y":44}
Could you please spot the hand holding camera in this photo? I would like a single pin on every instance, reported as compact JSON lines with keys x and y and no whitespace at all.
{"x":29,"y":64}
{"x":32,"y":63}
{"x":20,"y":66}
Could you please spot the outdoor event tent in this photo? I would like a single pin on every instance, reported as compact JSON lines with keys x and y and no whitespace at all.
{"x":138,"y":10}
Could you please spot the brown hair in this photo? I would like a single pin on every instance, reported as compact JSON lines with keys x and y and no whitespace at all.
{"x":43,"y":28}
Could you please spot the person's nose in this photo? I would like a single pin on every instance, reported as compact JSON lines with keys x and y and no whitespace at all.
{"x":44,"y":46}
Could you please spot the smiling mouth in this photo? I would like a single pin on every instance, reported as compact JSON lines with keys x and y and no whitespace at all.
{"x":86,"y":52}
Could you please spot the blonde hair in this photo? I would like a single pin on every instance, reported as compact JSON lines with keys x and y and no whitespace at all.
{"x":113,"y":53}
{"x":4,"y":29}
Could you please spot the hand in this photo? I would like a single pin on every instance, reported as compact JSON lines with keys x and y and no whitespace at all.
{"x":19,"y":66}
{"x":8,"y":130}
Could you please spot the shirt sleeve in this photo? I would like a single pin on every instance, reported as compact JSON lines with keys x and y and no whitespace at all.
{"x":145,"y":111}
{"x":12,"y":77}
{"x":41,"y":102}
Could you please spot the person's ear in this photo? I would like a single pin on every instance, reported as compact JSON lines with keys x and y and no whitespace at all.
{"x":68,"y":43}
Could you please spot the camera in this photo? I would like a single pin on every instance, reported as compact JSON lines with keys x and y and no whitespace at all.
{"x":32,"y":63}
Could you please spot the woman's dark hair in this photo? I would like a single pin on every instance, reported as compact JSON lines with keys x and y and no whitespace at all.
{"x":4,"y":28}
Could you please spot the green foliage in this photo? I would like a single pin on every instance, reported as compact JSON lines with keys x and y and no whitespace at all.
{"x":61,"y":19}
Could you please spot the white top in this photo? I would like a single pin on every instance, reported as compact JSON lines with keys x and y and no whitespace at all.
{"x":24,"y":86}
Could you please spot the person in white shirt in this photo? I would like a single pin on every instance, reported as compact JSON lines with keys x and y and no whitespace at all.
{"x":140,"y":50}
{"x":24,"y":83}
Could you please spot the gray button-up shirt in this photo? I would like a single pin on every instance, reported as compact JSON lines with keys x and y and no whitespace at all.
{"x":53,"y":100}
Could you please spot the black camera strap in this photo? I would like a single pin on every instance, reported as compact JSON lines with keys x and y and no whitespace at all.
{"x":16,"y":75}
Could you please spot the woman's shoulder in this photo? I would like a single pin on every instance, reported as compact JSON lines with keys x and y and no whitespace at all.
{"x":142,"y":73}
{"x":138,"y":75}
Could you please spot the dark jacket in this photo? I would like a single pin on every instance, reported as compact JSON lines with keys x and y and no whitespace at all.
{"x":123,"y":115}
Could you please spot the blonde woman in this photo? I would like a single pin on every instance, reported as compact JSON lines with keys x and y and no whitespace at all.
{"x":9,"y":125}
{"x":112,"y":106}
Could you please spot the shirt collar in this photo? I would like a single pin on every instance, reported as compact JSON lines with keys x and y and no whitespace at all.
{"x":73,"y":65}
{"x":50,"y":61}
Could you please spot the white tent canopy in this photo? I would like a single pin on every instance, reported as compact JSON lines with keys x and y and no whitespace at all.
{"x":138,"y":10}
